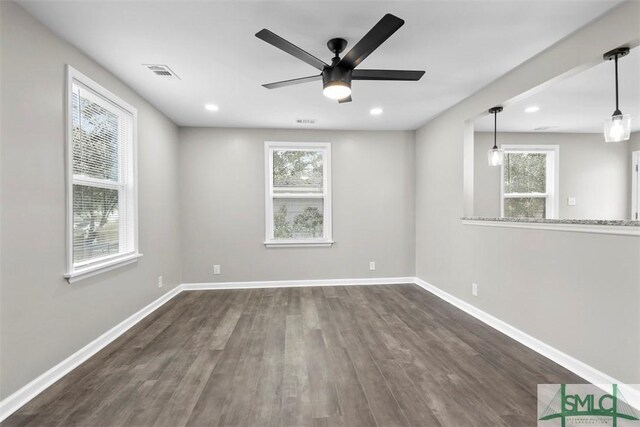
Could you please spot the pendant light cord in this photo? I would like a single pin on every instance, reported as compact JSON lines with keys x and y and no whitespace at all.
{"x":616,"y":65}
{"x":495,"y":130}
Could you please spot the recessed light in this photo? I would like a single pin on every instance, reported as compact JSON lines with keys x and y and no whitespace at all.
{"x":211,"y":107}
{"x":375,"y":111}
{"x":532,"y":109}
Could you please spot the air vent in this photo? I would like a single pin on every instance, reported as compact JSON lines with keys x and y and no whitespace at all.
{"x":162,"y":71}
{"x":306,"y":121}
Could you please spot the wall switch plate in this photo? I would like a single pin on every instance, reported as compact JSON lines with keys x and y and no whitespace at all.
{"x":216,"y":269}
{"x":571,"y":201}
{"x":372,"y":265}
{"x":474,"y":289}
{"x":159,"y":281}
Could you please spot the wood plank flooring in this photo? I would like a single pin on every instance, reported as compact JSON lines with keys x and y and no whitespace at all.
{"x":390,"y":355}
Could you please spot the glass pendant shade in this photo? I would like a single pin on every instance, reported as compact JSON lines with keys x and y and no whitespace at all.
{"x":617,"y":128}
{"x":495,"y":156}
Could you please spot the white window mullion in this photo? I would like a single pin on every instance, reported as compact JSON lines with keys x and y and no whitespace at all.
{"x":526,"y":195}
{"x":298,"y":195}
{"x":99,"y":183}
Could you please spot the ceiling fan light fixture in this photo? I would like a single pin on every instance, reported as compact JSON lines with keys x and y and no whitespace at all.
{"x":336,"y":83}
{"x":337,"y":90}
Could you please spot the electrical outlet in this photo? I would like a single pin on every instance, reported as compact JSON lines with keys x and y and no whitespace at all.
{"x":216,"y":269}
{"x":372,"y":265}
{"x":159,"y":281}
{"x":474,"y":289}
{"x":571,"y":201}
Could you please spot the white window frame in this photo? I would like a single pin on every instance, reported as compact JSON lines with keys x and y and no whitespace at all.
{"x":325,"y":148}
{"x":78,"y":271}
{"x":635,"y":186}
{"x":552,"y":194}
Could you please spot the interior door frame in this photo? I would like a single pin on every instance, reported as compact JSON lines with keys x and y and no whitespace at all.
{"x":635,"y":185}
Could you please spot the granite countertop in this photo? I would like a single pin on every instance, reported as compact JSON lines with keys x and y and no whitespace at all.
{"x":623,"y":223}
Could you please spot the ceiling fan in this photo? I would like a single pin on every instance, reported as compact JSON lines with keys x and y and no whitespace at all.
{"x":336,"y":78}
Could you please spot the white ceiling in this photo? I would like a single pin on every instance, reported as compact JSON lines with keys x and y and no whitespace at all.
{"x":579,"y":103}
{"x":463,"y":45}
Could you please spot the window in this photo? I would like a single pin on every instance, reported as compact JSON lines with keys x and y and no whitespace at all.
{"x":298,"y":194}
{"x":101,"y":179}
{"x":529,"y":181}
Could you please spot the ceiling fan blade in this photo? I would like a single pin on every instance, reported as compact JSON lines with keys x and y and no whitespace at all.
{"x":292,"y":82}
{"x":290,"y":48}
{"x":343,"y":100}
{"x":380,"y":32}
{"x":398,"y":75}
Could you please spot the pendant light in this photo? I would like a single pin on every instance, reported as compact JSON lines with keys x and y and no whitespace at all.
{"x":618,"y":127}
{"x":495,"y":154}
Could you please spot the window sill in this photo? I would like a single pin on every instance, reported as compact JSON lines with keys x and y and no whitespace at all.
{"x":102,"y":267}
{"x":624,"y":228}
{"x":299,"y":244}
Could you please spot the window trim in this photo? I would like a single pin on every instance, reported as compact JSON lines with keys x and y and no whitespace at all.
{"x":97,"y":266}
{"x":327,"y":240}
{"x":552,"y":195}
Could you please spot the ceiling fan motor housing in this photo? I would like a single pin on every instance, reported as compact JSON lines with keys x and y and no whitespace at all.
{"x":336,"y":75}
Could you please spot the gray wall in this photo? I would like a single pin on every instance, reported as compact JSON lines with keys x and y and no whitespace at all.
{"x":44,"y":319}
{"x":634,"y":142}
{"x":222,"y":193}
{"x":597,"y":174}
{"x":577,"y":292}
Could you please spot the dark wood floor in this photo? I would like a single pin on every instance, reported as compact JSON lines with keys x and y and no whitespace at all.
{"x":349,"y":356}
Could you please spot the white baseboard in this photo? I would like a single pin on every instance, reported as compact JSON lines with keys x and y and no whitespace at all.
{"x":297,"y":283}
{"x":589,"y":373}
{"x":19,"y":398}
